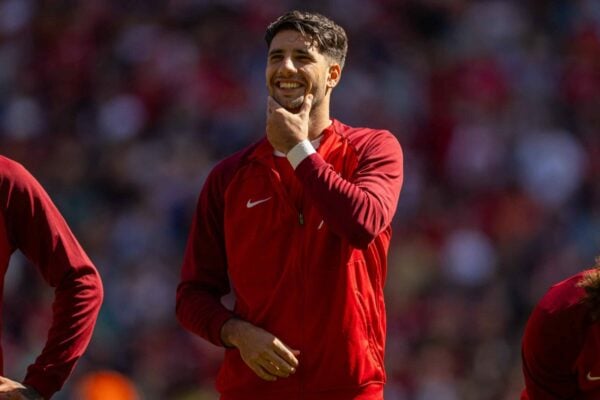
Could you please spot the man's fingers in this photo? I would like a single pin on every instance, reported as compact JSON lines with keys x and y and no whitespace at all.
{"x":280,"y":366}
{"x":306,"y":106}
{"x":286,"y":353}
{"x":308,"y":99}
{"x":272,"y":105}
{"x":275,"y":367}
{"x":263,"y":373}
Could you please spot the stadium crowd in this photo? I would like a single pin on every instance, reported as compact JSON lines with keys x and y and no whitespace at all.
{"x":121,"y":108}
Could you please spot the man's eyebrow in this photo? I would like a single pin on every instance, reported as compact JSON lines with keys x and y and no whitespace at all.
{"x":275,"y":52}
{"x":302,"y":52}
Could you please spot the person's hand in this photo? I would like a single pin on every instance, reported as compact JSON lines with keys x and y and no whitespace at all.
{"x":284,"y":128}
{"x":11,"y":390}
{"x":264,"y":353}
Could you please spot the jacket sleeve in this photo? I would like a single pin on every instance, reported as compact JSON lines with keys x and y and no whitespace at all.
{"x":204,"y":279}
{"x":37,"y":228}
{"x":362,"y":207}
{"x":549,"y":349}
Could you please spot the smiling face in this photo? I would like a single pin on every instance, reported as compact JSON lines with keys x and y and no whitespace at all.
{"x":295,"y":67}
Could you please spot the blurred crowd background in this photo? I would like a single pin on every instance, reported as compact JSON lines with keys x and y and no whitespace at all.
{"x":120,"y":108}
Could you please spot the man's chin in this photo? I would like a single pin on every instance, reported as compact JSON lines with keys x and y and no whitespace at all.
{"x":292,"y":105}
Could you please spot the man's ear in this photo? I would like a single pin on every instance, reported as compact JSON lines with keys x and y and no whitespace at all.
{"x":334,"y":74}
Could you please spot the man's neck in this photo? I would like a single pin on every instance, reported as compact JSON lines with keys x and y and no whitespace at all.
{"x":319,"y":120}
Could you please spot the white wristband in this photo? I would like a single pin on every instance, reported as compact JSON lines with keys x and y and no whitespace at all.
{"x":299,"y":152}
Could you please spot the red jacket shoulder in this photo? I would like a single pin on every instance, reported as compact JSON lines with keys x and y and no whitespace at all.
{"x":561,"y":307}
{"x":563,"y":295}
{"x":222,"y":173}
{"x":359,"y":136}
{"x":13,"y":171}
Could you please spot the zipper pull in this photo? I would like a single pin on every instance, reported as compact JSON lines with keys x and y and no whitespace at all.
{"x":301,"y":218}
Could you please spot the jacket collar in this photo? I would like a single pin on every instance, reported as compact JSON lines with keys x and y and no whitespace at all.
{"x":264,"y":150}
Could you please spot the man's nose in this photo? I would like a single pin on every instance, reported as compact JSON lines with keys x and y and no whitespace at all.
{"x":287,"y":65}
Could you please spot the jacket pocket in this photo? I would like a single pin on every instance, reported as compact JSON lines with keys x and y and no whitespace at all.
{"x":368,"y":329}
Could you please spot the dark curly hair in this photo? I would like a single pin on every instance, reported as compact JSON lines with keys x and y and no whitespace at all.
{"x":329,"y":37}
{"x":590,"y":282}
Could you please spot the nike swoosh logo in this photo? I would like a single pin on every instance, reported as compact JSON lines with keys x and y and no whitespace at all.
{"x":251,"y":203}
{"x":592,"y":378}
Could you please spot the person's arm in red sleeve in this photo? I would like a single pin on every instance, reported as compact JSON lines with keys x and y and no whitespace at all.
{"x":549,"y":350}
{"x":360,"y":208}
{"x":37,"y":228}
{"x":204,"y":279}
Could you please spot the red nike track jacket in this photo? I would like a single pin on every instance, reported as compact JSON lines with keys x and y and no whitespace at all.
{"x":30,"y":222}
{"x":561,"y":345}
{"x":310,"y":272}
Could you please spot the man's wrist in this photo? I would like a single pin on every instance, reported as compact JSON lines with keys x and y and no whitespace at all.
{"x":229,"y":332}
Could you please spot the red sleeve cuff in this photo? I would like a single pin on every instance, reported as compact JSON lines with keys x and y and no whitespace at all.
{"x":42,"y":384}
{"x":309,"y":164}
{"x":216,"y":324}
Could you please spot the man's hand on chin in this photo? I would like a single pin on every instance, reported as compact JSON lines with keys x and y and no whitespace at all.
{"x":286,"y":129}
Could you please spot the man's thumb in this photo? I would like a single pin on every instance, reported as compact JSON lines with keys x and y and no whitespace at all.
{"x":308,"y":99}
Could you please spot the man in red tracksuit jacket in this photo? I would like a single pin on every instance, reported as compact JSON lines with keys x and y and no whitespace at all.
{"x":298,"y":225}
{"x":30,"y":222}
{"x":561,"y":344}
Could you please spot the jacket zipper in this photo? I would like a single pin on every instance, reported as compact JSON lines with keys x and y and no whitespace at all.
{"x":302,"y":278}
{"x":276,"y":181}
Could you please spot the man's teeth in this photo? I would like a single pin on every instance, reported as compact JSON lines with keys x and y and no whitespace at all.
{"x":289,"y":85}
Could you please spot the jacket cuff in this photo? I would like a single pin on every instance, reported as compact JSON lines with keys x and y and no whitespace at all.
{"x":216,"y":324}
{"x":309,"y":165}
{"x":41,"y":384}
